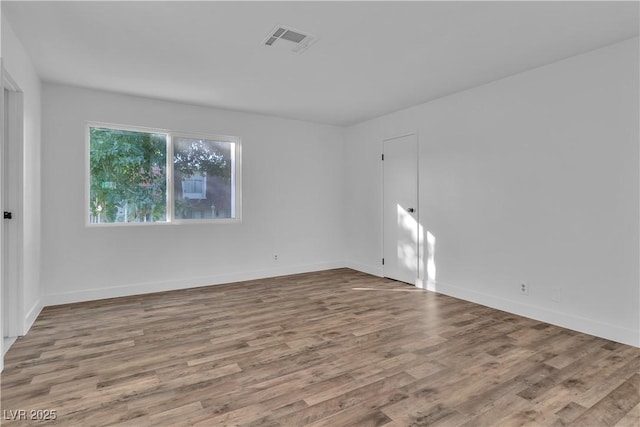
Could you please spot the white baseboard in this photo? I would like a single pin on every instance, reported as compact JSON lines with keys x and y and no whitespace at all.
{"x":172,"y":285}
{"x":32,"y":315}
{"x":365,"y":268}
{"x":29,"y":318}
{"x":576,"y":323}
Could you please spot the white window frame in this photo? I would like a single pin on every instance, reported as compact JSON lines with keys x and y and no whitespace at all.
{"x":236,"y":176}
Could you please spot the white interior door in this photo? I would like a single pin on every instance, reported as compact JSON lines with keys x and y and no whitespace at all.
{"x":400,"y":208}
{"x":10,"y":199}
{"x":5,"y":236}
{"x":3,"y":232}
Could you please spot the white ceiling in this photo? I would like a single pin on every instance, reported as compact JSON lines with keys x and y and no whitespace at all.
{"x":372,"y":58}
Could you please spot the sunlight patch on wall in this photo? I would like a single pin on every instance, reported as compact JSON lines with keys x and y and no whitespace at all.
{"x":431,"y":261}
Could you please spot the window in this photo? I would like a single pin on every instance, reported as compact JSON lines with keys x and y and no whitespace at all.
{"x":128,"y":179}
{"x":204,"y":178}
{"x":147,"y":176}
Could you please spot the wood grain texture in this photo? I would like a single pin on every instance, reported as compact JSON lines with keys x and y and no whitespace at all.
{"x":332,"y":348}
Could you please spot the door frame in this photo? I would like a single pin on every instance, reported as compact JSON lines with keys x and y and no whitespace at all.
{"x":12,"y":309}
{"x":419,"y":273}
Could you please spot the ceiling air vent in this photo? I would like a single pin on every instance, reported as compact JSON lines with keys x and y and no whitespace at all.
{"x":294,"y":40}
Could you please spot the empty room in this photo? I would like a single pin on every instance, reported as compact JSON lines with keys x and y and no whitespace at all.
{"x":307,"y":213}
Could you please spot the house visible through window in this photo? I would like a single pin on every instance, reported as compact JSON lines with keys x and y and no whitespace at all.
{"x":129,"y":183}
{"x":194,"y":187}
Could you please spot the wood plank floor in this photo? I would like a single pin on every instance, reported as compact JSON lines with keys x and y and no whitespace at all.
{"x":333,"y":348}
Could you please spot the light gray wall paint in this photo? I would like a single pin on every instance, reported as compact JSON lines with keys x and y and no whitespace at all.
{"x":291,"y":195}
{"x":531,"y":178}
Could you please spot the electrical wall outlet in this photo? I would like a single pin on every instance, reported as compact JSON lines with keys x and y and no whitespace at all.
{"x":524,"y":289}
{"x":275,"y":257}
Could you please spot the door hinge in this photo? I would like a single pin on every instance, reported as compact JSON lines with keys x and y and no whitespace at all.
{"x":7,"y":215}
{"x":382,"y":261}
{"x":383,"y":157}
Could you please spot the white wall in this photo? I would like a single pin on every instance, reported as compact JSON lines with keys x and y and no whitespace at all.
{"x":19,"y":66}
{"x":531,"y":178}
{"x":291,"y":190}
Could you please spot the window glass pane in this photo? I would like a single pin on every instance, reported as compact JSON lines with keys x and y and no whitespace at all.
{"x":203,"y":178}
{"x":128,"y":181}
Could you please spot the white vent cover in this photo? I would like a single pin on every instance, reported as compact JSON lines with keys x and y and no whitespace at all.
{"x":294,"y":40}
